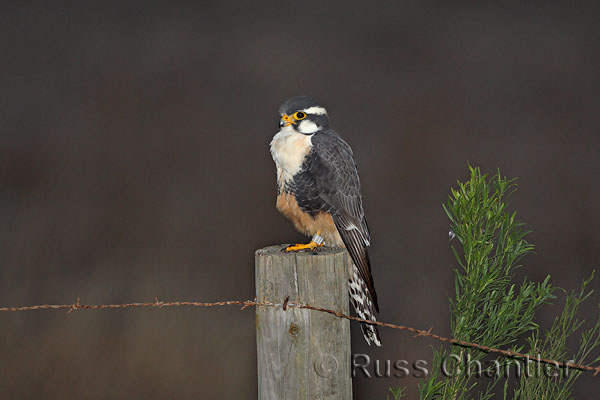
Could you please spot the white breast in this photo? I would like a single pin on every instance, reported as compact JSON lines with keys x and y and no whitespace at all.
{"x":289,"y":149}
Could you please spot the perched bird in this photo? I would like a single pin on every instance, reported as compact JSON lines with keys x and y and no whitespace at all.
{"x":318,"y":189}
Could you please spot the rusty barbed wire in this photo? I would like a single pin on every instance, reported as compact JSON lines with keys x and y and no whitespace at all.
{"x":287,"y":305}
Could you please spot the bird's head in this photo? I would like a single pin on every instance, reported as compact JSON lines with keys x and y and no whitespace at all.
{"x":303,"y":114}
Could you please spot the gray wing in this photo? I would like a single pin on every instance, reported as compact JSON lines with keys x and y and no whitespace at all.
{"x":338,"y":185}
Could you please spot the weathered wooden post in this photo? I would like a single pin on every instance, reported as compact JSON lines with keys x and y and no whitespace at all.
{"x":302,"y":354}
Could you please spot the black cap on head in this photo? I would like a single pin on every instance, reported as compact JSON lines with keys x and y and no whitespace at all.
{"x":298,"y":103}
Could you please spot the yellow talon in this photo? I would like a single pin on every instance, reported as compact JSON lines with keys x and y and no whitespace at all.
{"x":312,"y":245}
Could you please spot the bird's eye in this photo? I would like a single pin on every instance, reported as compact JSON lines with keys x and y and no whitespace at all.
{"x":299,"y":115}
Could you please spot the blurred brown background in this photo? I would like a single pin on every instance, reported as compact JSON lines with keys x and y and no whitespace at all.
{"x":134,"y":163}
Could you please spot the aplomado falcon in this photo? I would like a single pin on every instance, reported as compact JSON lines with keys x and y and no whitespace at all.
{"x":319,"y":190}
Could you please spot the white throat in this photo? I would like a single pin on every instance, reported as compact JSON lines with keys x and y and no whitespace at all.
{"x":289,"y":148}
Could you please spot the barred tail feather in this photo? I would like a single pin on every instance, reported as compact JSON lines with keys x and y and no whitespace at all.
{"x":371,"y":334}
{"x":361,"y":300}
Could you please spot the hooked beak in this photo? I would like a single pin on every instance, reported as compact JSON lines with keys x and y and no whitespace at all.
{"x":287,"y":120}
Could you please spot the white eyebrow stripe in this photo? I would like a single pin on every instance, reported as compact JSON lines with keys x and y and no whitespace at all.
{"x":315,"y":110}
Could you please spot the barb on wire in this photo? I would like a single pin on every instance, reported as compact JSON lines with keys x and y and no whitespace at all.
{"x":287,"y":304}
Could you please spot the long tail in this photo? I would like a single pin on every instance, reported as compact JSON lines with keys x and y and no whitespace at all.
{"x":361,"y":300}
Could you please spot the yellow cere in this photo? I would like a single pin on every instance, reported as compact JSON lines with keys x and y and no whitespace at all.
{"x":288,"y":120}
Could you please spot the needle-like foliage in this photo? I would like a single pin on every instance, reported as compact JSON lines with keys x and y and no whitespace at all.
{"x":556,"y":384}
{"x":488,"y":308}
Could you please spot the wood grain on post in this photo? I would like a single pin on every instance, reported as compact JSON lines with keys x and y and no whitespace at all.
{"x":303,"y":354}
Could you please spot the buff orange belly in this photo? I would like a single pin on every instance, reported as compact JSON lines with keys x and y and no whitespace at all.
{"x":306,"y":223}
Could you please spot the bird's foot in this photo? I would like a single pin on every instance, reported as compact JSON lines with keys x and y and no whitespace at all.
{"x":308,"y":246}
{"x":317,"y":241}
